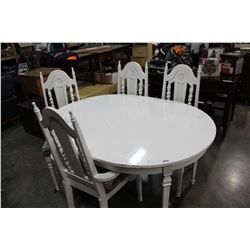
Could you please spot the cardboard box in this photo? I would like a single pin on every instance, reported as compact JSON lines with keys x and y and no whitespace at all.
{"x":241,"y":45}
{"x":210,"y":67}
{"x":28,"y":118}
{"x":115,"y":77}
{"x":139,"y":51}
{"x":245,"y":50}
{"x":232,"y":63}
{"x":212,"y":52}
{"x":106,"y":77}
{"x":140,"y":60}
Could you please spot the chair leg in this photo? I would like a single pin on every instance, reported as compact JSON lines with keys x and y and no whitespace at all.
{"x":103,"y":203}
{"x":69,"y":194}
{"x":52,"y":173}
{"x":179,"y":182}
{"x":139,"y":187}
{"x":233,"y":104}
{"x":194,"y":173}
{"x":226,"y":115}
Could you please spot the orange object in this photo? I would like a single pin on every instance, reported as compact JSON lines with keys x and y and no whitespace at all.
{"x":72,"y":58}
{"x":178,"y":49}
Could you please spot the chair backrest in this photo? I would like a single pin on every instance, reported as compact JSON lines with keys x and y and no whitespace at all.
{"x":133,"y":79}
{"x":64,"y":87}
{"x":182,"y":76}
{"x":48,"y":138}
{"x":70,"y":144}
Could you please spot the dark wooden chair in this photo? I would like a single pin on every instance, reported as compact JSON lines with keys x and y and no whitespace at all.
{"x":221,"y":93}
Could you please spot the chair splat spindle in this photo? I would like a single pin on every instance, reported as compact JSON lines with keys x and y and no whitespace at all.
{"x":71,"y":94}
{"x":169,"y":91}
{"x":140,"y":87}
{"x":190,"y":96}
{"x":123,"y":87}
{"x":51,"y":99}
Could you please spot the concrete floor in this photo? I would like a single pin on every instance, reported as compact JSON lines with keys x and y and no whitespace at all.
{"x":223,"y":175}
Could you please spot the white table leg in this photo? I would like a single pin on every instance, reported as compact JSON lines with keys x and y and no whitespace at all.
{"x":194,"y":173}
{"x":139,"y":187}
{"x":166,"y":185}
{"x":179,"y":182}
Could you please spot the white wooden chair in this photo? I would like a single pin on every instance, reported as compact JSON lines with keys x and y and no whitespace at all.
{"x":46,"y":148}
{"x":76,"y":162}
{"x":65,"y":90}
{"x":182,"y":76}
{"x":132,"y":79}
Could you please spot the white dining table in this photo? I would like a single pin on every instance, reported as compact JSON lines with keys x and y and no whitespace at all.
{"x":143,"y":135}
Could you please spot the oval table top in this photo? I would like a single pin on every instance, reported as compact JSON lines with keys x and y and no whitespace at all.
{"x":141,"y":132}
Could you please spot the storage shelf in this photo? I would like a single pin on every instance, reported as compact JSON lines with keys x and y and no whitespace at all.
{"x":8,"y":58}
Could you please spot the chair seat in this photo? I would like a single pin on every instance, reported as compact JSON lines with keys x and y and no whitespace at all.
{"x":110,"y":185}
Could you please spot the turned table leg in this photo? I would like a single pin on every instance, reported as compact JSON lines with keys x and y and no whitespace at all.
{"x":139,"y":187}
{"x":179,"y":182}
{"x":166,"y":185}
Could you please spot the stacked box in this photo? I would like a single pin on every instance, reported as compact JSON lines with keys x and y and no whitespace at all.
{"x":210,"y":67}
{"x":232,"y":63}
{"x":212,"y":52}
